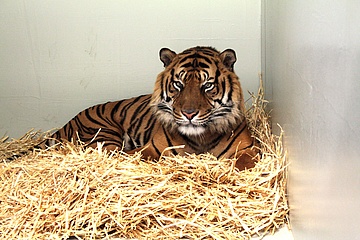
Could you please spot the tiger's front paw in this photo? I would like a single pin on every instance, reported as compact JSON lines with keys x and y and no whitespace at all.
{"x":146,"y":152}
{"x":246,"y":161}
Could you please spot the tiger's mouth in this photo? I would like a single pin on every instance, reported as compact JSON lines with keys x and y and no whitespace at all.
{"x":193,"y":123}
{"x":191,"y":129}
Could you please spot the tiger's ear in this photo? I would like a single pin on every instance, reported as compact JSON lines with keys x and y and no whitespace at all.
{"x":228,"y":58}
{"x":166,"y":56}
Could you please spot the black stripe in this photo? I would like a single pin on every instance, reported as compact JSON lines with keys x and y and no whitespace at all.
{"x":156,"y":149}
{"x":169,"y":142}
{"x":229,"y":145}
{"x":217,"y":101}
{"x":196,"y":55}
{"x":115,"y":111}
{"x":107,"y":143}
{"x":230,"y":87}
{"x":172,"y":74}
{"x":149,"y":129}
{"x":139,"y":121}
{"x":164,"y":107}
{"x":186,"y":65}
{"x":100,"y":111}
{"x":215,"y":142}
{"x":112,"y":132}
{"x":161,"y":85}
{"x":139,"y":109}
{"x":89,"y":116}
{"x":208,"y":52}
{"x":223,"y":85}
{"x":203,"y":65}
{"x":207,"y":59}
{"x":190,"y":142}
{"x":217,"y":74}
{"x":125,"y":109}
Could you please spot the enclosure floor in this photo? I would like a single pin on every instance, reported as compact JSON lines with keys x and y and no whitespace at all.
{"x":282,"y":234}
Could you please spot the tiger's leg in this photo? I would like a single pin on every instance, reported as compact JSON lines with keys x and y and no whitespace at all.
{"x":239,"y":145}
{"x":148,"y":152}
{"x":246,"y":153}
{"x":161,"y":143}
{"x":246,"y":159}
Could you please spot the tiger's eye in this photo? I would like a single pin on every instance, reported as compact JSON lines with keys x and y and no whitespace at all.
{"x":208,"y":86}
{"x":178,"y":85}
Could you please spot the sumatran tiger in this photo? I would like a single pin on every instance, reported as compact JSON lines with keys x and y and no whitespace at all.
{"x":197,"y":102}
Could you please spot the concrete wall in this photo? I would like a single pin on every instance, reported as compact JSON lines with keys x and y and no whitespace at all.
{"x":59,"y":57}
{"x":311,"y":60}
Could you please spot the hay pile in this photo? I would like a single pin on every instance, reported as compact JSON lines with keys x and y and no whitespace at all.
{"x":90,"y":193}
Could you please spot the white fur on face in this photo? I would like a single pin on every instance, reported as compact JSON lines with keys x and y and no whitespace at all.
{"x":191,"y":130}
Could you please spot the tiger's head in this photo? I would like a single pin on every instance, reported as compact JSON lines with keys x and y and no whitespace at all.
{"x":198,"y":91}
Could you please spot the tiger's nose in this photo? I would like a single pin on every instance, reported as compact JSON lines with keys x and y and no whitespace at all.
{"x":189,"y":113}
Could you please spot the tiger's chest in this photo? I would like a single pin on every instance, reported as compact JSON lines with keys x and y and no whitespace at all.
{"x":158,"y":135}
{"x":142,"y":128}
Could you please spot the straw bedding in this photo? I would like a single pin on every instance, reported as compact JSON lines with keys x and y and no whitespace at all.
{"x":94,"y":194}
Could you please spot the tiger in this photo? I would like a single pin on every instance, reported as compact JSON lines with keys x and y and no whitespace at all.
{"x":197,"y":103}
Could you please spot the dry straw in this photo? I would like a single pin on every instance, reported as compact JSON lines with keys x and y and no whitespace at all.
{"x":93,"y":194}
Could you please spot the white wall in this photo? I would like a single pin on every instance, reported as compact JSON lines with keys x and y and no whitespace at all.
{"x":312,"y":69}
{"x":59,"y":57}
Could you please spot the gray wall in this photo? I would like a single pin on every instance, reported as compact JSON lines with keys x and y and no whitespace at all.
{"x":311,"y":59}
{"x":59,"y":57}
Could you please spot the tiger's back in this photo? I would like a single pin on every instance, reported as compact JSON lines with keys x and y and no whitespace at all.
{"x":113,"y":123}
{"x":197,"y":102}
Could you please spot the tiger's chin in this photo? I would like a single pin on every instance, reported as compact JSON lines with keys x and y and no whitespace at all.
{"x":191,"y":130}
